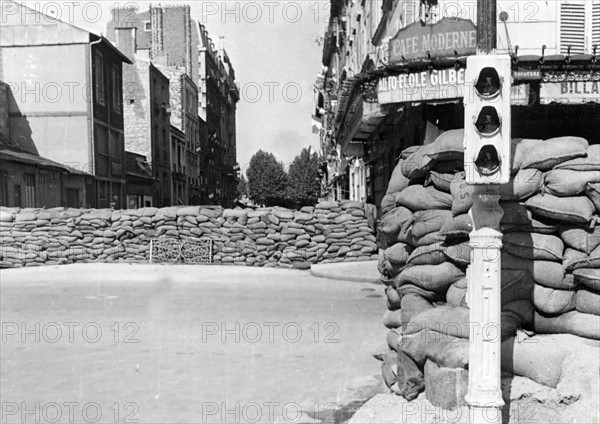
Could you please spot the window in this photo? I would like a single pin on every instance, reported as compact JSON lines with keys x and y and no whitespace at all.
{"x":116,"y":89}
{"x":29,"y":180}
{"x":17,"y":195}
{"x":147,"y":26}
{"x":572,"y":27}
{"x":102,"y":192}
{"x":99,"y":77}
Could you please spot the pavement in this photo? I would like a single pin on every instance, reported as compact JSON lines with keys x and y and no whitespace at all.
{"x":184,"y":343}
{"x":360,"y":272}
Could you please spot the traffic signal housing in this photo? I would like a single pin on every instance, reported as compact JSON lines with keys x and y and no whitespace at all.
{"x":487,"y":119}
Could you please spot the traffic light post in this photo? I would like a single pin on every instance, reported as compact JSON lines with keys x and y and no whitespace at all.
{"x":487,"y":165}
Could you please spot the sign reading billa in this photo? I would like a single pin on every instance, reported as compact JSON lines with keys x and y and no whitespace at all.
{"x":446,"y":38}
{"x":570,"y":92}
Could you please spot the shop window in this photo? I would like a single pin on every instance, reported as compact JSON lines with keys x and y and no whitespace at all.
{"x":99,"y":78}
{"x":29,"y":198}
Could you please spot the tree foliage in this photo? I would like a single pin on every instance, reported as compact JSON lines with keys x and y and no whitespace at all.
{"x":267,"y":180}
{"x":304,"y":186}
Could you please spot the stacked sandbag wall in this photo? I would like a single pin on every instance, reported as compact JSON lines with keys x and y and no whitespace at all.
{"x":550,"y":255}
{"x":270,"y":237}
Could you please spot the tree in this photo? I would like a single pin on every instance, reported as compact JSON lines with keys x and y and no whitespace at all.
{"x":267,"y":180}
{"x":242,"y":188}
{"x":304,"y":183}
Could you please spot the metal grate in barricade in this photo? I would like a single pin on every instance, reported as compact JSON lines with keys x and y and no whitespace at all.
{"x":189,"y":251}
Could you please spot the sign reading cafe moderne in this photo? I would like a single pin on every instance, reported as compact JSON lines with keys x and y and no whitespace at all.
{"x":447,"y":38}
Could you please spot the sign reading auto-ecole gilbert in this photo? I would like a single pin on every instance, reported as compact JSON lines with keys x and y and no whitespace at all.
{"x":447,"y":38}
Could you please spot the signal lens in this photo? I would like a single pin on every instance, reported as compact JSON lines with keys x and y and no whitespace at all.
{"x":488,"y":83}
{"x":487,"y":161}
{"x":488,"y":121}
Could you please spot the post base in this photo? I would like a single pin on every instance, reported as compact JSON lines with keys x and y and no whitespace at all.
{"x":485,"y":414}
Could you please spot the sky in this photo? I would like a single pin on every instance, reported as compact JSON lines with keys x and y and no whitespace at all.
{"x":273,"y":48}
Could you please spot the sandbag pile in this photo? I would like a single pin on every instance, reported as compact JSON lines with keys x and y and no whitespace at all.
{"x":329,"y":232}
{"x":550,"y":256}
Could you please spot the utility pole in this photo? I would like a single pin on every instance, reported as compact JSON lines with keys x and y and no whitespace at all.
{"x":487,"y":164}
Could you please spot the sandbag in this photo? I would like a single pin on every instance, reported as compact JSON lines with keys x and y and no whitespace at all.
{"x":398,"y":254}
{"x":457,"y":294}
{"x":444,"y":350}
{"x":395,"y":222}
{"x":392,"y":319}
{"x":441,"y":181}
{"x":459,"y":253}
{"x":571,"y":209}
{"x":411,"y":289}
{"x":413,"y":304}
{"x":426,"y":240}
{"x":398,"y":181}
{"x":405,"y":154}
{"x":410,"y":379}
{"x":448,"y":146}
{"x":518,"y":218}
{"x":592,"y":191}
{"x":539,"y":359}
{"x":584,"y":239}
{"x":432,"y":254}
{"x":524,"y":184}
{"x":551,"y":301}
{"x":388,"y":203}
{"x":389,"y":368}
{"x":545,"y":156}
{"x":448,"y":320}
{"x":462,"y":195}
{"x":457,"y":227}
{"x":587,"y":301}
{"x":393,"y":298}
{"x":574,"y":322}
{"x":516,"y":284}
{"x":386,"y":269}
{"x":428,"y":221}
{"x":545,"y":273}
{"x":522,"y":308}
{"x":535,"y":246}
{"x":565,"y":183}
{"x":449,"y":167}
{"x":393,"y":339}
{"x":418,"y":198}
{"x":574,"y":259}
{"x":590,"y":162}
{"x":519,"y":148}
{"x":588,"y":277}
{"x":430,"y":277}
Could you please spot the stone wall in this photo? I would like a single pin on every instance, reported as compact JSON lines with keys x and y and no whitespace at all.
{"x":275,"y":237}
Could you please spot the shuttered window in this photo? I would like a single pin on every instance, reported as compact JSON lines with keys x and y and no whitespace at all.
{"x":572,"y":27}
{"x":29,"y":199}
{"x":596,"y":26}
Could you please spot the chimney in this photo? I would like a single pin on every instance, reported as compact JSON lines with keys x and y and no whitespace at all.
{"x":126,"y":41}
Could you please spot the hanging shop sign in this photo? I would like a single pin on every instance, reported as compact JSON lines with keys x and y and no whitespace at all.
{"x":446,"y":38}
{"x":573,"y":92}
{"x":435,"y":85}
{"x":527,"y":74}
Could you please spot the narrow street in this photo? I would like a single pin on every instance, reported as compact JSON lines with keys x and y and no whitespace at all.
{"x":167,"y":344}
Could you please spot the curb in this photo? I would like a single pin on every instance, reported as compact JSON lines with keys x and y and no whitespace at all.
{"x":359,"y":272}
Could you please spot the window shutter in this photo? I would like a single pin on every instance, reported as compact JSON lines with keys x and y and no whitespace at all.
{"x":596,"y":26}
{"x":572,"y":27}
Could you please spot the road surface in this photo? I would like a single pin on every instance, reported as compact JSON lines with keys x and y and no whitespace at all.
{"x":184,"y":344}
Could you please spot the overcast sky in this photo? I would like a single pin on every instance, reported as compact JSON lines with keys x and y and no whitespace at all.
{"x":273,"y":48}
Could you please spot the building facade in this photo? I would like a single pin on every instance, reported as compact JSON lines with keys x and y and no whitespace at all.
{"x":171,"y":39}
{"x":366,"y":123}
{"x":69,"y":111}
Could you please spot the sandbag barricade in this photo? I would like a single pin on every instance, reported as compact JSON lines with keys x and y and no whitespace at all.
{"x":270,"y":237}
{"x":550,"y":255}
